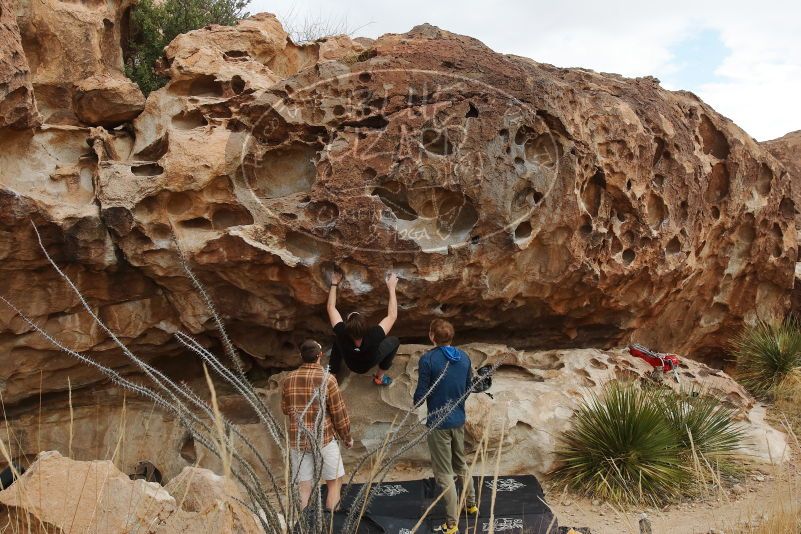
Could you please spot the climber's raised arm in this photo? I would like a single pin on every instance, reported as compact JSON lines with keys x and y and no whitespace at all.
{"x":392,"y":308}
{"x":331,"y":307}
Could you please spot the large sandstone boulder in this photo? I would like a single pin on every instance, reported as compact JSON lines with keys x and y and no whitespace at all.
{"x":548,"y":208}
{"x":553,"y":207}
{"x":64,"y":495}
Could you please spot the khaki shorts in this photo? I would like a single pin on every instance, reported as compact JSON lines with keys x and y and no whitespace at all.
{"x":302,"y":463}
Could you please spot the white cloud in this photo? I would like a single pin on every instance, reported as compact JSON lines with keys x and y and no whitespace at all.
{"x":757,"y":85}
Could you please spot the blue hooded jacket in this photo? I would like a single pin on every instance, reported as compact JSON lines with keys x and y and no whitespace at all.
{"x":451,"y":389}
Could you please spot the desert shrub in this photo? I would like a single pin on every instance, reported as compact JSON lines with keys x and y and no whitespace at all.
{"x":767,"y":352}
{"x":622,"y":448}
{"x":633,"y":445}
{"x":155,"y":23}
{"x":702,"y":422}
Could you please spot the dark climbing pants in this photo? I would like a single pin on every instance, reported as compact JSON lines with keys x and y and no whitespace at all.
{"x":362,"y":363}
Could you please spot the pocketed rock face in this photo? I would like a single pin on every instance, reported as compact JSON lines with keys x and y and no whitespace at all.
{"x":66,"y":43}
{"x":549,"y":207}
{"x":787,"y":149}
{"x":63,"y":495}
{"x":553,"y":207}
{"x":17,"y":107}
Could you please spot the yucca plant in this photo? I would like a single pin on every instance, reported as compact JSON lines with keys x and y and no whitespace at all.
{"x":622,"y":448}
{"x":766,"y":353}
{"x":703,"y":424}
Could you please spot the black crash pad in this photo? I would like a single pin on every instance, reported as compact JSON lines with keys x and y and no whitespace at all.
{"x":397,"y":506}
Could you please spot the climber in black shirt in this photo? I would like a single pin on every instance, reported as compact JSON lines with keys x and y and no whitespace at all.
{"x":363,"y":347}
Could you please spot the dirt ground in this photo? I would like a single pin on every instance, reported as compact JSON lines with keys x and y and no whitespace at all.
{"x":737,"y":509}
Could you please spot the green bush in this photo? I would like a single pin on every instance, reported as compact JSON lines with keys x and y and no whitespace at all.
{"x":767,"y":353}
{"x":633,"y":445}
{"x":155,"y":24}
{"x":702,"y":422}
{"x":621,"y":448}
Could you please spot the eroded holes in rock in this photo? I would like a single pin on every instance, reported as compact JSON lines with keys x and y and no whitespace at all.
{"x":235,"y":54}
{"x":683,"y":210}
{"x":304,"y":246}
{"x":148,"y":169}
{"x":365,"y":77}
{"x":598,"y":364}
{"x":187,"y":450}
{"x":289,"y":216}
{"x":628,"y":256}
{"x":592,"y":193}
{"x":787,"y":208}
{"x":197,"y":223}
{"x":585,"y":378}
{"x":284,"y":171}
{"x":718,"y":187}
{"x":741,"y":242}
{"x":227,"y":217}
{"x":437,"y":142}
{"x":522,"y":231}
{"x":160,"y":231}
{"x":393,"y":194}
{"x":323,"y":213}
{"x":519,"y":162}
{"x":615,"y":245}
{"x":746,"y":233}
{"x":456,"y":216}
{"x":205,"y":85}
{"x":659,"y":150}
{"x":522,"y":134}
{"x":673,"y":246}
{"x":504,"y":133}
{"x":658,"y":180}
{"x":542,"y":150}
{"x":715,"y":212}
{"x":764,"y":180}
{"x":187,"y":120}
{"x":472,"y":111}
{"x":777,"y":240}
{"x":338,"y":110}
{"x":586,"y":226}
{"x":628,"y":185}
{"x":178,"y":203}
{"x":712,"y":140}
{"x":237,"y":84}
{"x":375,"y":122}
{"x":155,"y":150}
{"x":655,"y":210}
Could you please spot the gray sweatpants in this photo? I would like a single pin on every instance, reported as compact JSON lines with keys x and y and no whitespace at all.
{"x":447,"y":460}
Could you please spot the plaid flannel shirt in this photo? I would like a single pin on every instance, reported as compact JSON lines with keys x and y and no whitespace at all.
{"x":297,"y":391}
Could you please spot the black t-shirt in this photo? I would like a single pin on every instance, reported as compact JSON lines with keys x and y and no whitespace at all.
{"x":362,"y":358}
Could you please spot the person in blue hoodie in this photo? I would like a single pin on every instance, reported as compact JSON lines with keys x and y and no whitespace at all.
{"x":445,"y":377}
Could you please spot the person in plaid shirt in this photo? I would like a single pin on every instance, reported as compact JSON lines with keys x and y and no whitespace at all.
{"x":300,"y":401}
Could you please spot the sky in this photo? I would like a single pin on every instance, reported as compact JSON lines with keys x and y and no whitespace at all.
{"x":741,"y":57}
